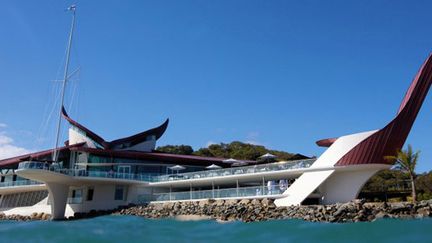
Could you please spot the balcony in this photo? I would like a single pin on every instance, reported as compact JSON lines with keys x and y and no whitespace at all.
{"x":254,"y":191}
{"x":82,"y":172}
{"x":278,"y":166}
{"x":19,"y":183}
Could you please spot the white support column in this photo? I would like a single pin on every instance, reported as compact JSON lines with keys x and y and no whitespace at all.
{"x":190,"y":194}
{"x":170,"y":192}
{"x":263,"y":186}
{"x":237,"y":188}
{"x":345,"y":186}
{"x":59,"y":194}
{"x":213,"y":195}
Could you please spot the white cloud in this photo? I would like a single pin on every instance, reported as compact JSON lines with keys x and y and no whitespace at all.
{"x":3,"y":125}
{"x":253,"y":138}
{"x":253,"y":142}
{"x":4,"y":140}
{"x":8,"y":149}
{"x":210,"y":143}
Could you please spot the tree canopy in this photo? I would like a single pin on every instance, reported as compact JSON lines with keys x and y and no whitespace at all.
{"x":236,"y":150}
{"x":176,"y":149}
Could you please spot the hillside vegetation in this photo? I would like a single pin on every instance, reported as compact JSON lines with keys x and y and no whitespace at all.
{"x":236,"y":150}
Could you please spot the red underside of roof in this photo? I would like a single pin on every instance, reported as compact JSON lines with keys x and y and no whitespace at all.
{"x":156,"y":156}
{"x":36,"y":156}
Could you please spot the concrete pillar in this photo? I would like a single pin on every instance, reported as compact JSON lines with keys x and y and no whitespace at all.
{"x":345,"y":186}
{"x":58,"y":194}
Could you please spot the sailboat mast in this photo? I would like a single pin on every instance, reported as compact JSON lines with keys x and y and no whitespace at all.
{"x":65,"y":77}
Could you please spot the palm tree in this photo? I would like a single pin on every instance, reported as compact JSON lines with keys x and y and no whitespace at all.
{"x":406,"y":161}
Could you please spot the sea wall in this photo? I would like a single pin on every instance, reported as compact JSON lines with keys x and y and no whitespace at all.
{"x":33,"y":216}
{"x":258,"y":210}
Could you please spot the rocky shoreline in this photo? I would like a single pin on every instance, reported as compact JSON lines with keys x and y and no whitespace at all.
{"x":33,"y":216}
{"x":259,"y":210}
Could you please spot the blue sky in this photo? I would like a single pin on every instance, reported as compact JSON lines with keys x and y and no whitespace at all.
{"x":278,"y":73}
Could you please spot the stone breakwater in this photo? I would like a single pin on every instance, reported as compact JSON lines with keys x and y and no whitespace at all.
{"x":259,"y":210}
{"x":247,"y":210}
{"x":33,"y":216}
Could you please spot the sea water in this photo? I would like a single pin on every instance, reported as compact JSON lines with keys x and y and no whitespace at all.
{"x":128,"y":229}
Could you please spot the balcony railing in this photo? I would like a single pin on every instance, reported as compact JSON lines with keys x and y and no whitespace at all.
{"x":254,"y":191}
{"x":286,"y":165}
{"x":84,"y":173}
{"x":19,"y":183}
{"x":278,"y":166}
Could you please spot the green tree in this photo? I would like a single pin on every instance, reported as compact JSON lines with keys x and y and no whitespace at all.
{"x":424,"y":186}
{"x":244,"y":151}
{"x":406,"y":161}
{"x":176,"y":149}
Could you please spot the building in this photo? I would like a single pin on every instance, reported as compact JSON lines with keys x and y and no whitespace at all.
{"x":93,"y":174}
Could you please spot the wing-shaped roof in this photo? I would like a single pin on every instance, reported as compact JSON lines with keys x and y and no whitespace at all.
{"x":88,"y":132}
{"x":390,"y":139}
{"x":130,"y":141}
{"x":140,"y":137}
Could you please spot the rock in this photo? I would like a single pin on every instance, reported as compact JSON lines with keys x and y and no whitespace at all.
{"x":381,"y":215}
{"x":220,"y":203}
{"x":231,"y":202}
{"x":46,"y":216}
{"x":203,"y":203}
{"x":245,"y":201}
{"x":158,"y":206}
{"x":424,"y":212}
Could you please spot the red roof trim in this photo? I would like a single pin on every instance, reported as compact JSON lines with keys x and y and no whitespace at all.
{"x":88,"y":132}
{"x":131,"y":140}
{"x":160,"y":157}
{"x":140,"y":137}
{"x":326,"y":142}
{"x":36,"y":155}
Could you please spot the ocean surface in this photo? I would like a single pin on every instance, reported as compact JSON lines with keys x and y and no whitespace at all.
{"x":127,"y":229}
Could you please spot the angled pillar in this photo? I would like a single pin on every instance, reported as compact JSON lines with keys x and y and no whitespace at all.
{"x":351,"y":160}
{"x":58,"y":195}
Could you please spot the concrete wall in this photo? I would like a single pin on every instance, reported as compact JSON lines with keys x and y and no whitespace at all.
{"x":103,"y":198}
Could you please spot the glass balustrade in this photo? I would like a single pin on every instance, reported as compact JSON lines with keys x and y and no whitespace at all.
{"x":19,"y":183}
{"x":83,"y":172}
{"x":278,"y":166}
{"x":286,"y":165}
{"x":257,"y":191}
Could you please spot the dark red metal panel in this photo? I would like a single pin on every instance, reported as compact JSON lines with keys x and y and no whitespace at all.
{"x":140,"y":137}
{"x":326,"y":142}
{"x":157,"y":156}
{"x":132,"y":140}
{"x":390,"y":139}
{"x":37,"y":155}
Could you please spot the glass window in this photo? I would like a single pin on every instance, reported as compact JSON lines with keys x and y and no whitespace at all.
{"x":90,"y":192}
{"x":119,"y":193}
{"x":77,"y":193}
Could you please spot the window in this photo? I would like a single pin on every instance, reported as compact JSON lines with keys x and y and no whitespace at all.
{"x":90,"y":192}
{"x":77,"y":193}
{"x":119,"y":193}
{"x":75,"y":196}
